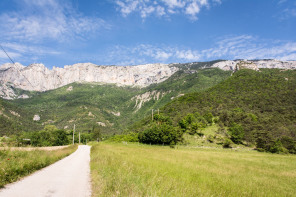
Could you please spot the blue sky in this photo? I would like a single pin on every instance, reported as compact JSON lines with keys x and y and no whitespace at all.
{"x":131,"y":32}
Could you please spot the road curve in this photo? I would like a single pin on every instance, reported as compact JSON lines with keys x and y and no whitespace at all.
{"x":67,"y":177}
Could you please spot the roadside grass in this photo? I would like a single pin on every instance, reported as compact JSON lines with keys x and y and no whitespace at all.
{"x":143,"y":170}
{"x":15,"y":164}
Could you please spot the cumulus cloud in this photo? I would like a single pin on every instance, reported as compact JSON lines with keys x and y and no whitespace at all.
{"x":25,"y":32}
{"x":192,"y":10}
{"x":161,"y":55}
{"x":174,"y":3}
{"x":187,"y":55}
{"x":47,"y":20}
{"x":146,"y":8}
{"x":231,"y":47}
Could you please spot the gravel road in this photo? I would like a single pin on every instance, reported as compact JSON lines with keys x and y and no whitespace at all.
{"x":67,"y":177}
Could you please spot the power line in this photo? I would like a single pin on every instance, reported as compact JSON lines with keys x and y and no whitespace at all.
{"x":7,"y":54}
{"x":16,"y":66}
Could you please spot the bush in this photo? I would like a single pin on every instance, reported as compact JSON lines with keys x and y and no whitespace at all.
{"x":211,"y":138}
{"x":277,"y":147}
{"x":60,"y":138}
{"x":209,"y":118}
{"x":130,"y":137}
{"x":227,"y":143}
{"x":160,"y":134}
{"x":193,"y":123}
{"x":49,"y":136}
{"x":289,"y":144}
{"x":236,"y":133}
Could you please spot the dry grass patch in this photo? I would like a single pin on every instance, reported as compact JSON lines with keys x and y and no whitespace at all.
{"x":15,"y":164}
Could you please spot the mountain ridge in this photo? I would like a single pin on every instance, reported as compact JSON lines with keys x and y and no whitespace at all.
{"x":36,"y":77}
{"x":16,"y":78}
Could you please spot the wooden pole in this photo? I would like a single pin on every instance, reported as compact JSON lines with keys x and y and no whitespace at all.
{"x":152,"y":114}
{"x":79,"y":137}
{"x":73,"y":133}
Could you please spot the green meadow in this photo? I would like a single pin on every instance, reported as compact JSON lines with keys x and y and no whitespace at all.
{"x":15,"y":164}
{"x":120,"y":169}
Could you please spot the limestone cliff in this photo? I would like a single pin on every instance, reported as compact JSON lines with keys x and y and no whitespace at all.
{"x":36,"y":77}
{"x":254,"y":64}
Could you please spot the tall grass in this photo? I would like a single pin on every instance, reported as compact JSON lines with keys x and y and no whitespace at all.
{"x":133,"y":170}
{"x":16,"y":164}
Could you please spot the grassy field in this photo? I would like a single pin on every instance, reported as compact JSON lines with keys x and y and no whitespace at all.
{"x":143,"y":170}
{"x":15,"y":164}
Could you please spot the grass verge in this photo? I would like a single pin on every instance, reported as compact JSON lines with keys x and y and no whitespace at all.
{"x":15,"y":164}
{"x":133,"y":170}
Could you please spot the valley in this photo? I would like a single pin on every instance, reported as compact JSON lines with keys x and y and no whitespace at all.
{"x":212,"y":125}
{"x":250,"y":103}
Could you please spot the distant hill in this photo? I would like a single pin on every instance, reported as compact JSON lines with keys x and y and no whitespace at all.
{"x":16,"y":78}
{"x":263,"y":103}
{"x":111,"y":107}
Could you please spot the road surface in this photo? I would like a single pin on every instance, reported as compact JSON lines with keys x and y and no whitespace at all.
{"x":67,"y":177}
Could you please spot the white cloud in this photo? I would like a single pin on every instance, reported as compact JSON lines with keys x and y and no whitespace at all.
{"x":160,"y":11}
{"x":231,"y":47}
{"x":188,"y":55}
{"x":147,"y":11}
{"x":288,"y":13}
{"x":281,"y":1}
{"x":146,"y":8}
{"x":24,"y":53}
{"x":127,"y":7}
{"x":287,"y":10}
{"x":174,"y":3}
{"x":250,"y":47}
{"x":192,"y":10}
{"x":52,"y":21}
{"x":161,"y":55}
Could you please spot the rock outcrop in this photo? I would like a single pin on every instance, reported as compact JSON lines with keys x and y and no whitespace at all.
{"x":146,"y":97}
{"x":37,"y":77}
{"x":254,"y":64}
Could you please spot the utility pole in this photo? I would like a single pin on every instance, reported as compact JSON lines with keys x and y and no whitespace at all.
{"x":158,"y":116}
{"x":73,"y":133}
{"x":79,"y":137}
{"x":152,"y":114}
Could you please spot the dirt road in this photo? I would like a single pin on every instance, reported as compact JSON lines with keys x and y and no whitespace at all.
{"x":67,"y":177}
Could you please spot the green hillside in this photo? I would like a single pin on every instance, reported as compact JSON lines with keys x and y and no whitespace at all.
{"x":110,"y":107}
{"x":14,"y":118}
{"x":251,"y":108}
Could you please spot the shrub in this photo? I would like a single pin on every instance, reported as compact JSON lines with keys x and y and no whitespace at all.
{"x":277,"y":147}
{"x":236,"y":133}
{"x":209,"y":118}
{"x":289,"y":144}
{"x":227,"y":143}
{"x":60,"y":138}
{"x":211,"y":138}
{"x":160,"y":134}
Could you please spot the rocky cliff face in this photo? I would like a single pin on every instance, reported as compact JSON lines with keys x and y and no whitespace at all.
{"x":37,"y":77}
{"x":255,"y":64}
